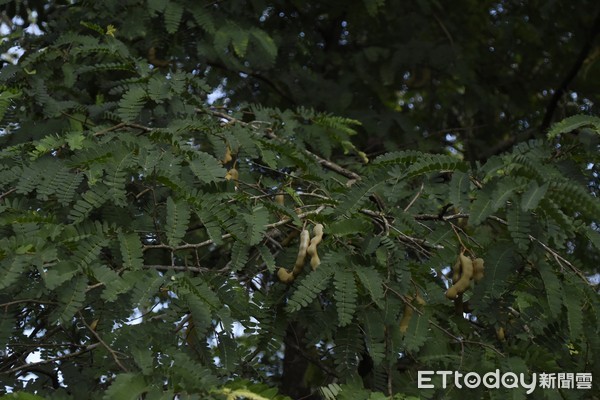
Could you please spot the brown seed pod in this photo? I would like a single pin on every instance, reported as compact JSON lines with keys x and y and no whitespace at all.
{"x":478,"y":269}
{"x":500,"y":334}
{"x":452,"y":292}
{"x":285,"y":276}
{"x":420,"y":301}
{"x":227,"y":157}
{"x":232,"y":174}
{"x":304,"y":241}
{"x":154,"y":60}
{"x":312,"y":249}
{"x":280,"y":199}
{"x":409,"y":311}
{"x":463,"y":283}
{"x":94,"y":324}
{"x":405,"y":320}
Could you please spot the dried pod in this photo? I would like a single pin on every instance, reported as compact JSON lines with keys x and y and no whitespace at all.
{"x":285,"y":276}
{"x":312,"y":248}
{"x":304,"y":241}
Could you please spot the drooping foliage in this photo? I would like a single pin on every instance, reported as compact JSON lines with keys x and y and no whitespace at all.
{"x":143,"y":225}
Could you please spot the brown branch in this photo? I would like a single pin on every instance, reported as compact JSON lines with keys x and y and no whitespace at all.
{"x":107,"y":347}
{"x":10,"y":303}
{"x":258,"y":76}
{"x":421,"y":243}
{"x":335,"y":168}
{"x":51,"y":360}
{"x":176,"y":268}
{"x":330,"y":165}
{"x":446,"y":32}
{"x":303,"y":353}
{"x":3,"y":195}
{"x":228,"y":235}
{"x":437,"y":217}
{"x":560,"y":259}
{"x":123,"y":125}
{"x":416,"y":196}
{"x":435,"y":324}
{"x":562,"y":88}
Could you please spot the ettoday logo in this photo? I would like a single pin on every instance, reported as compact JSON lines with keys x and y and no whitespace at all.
{"x":508,"y":380}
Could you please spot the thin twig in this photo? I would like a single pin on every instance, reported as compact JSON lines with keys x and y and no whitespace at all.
{"x":560,"y":259}
{"x":336,"y":168}
{"x":107,"y":130}
{"x":107,"y":347}
{"x":456,"y":338}
{"x":353,"y":176}
{"x":553,"y":252}
{"x":562,"y":88}
{"x":313,"y":360}
{"x":123,"y":125}
{"x":403,"y":237}
{"x":10,"y":303}
{"x":437,"y":217}
{"x":3,"y":195}
{"x":176,"y":268}
{"x":228,"y":235}
{"x":415,"y":197}
{"x":51,"y":360}
{"x":441,"y":24}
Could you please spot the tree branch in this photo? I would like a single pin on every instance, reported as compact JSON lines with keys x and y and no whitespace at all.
{"x":228,"y":235}
{"x":107,"y":347}
{"x":562,"y":88}
{"x":323,"y":162}
{"x":3,"y":195}
{"x":436,"y":217}
{"x":176,"y":268}
{"x":10,"y":303}
{"x":51,"y":360}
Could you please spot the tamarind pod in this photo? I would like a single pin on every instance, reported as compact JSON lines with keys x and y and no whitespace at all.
{"x":291,"y":236}
{"x":456,"y":270}
{"x":420,"y":301}
{"x":500,"y":334}
{"x":280,"y":199}
{"x":232,"y":174}
{"x":406,"y":316}
{"x":452,"y":292}
{"x":315,"y":261}
{"x":285,"y":276}
{"x":467,"y":269}
{"x":94,"y":324}
{"x":154,"y":60}
{"x":227,"y":157}
{"x":463,"y":283}
{"x":312,"y":248}
{"x":304,"y":240}
{"x":478,"y":269}
{"x":317,"y":237}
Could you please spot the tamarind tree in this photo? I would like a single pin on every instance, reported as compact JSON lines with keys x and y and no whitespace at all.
{"x":270,"y":200}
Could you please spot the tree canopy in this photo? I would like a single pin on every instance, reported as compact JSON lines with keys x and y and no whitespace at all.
{"x":289,"y":199}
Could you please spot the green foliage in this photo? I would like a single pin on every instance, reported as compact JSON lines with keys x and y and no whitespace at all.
{"x":570,"y":124}
{"x":310,"y":287}
{"x":345,"y":296}
{"x":177,"y":220}
{"x":144,"y":218}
